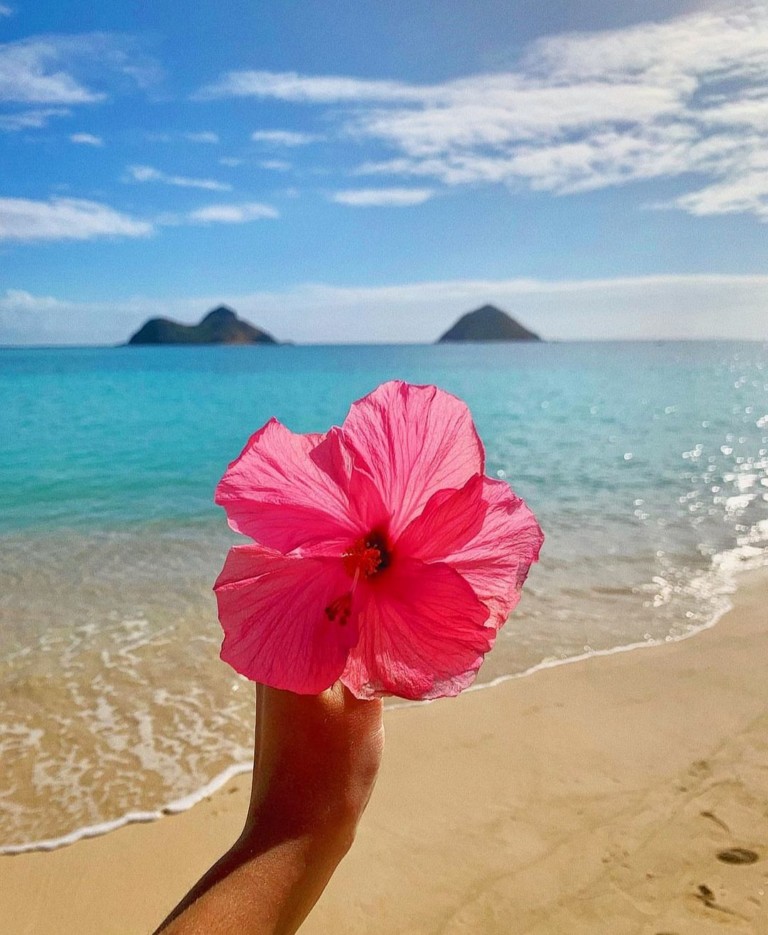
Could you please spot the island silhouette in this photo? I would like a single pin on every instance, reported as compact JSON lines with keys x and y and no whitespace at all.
{"x":487,"y":323}
{"x":222,"y":326}
{"x":219,"y":326}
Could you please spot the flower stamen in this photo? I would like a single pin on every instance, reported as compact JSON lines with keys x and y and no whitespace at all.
{"x":367,"y":557}
{"x":338,"y":610}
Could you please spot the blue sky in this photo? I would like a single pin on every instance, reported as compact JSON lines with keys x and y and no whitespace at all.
{"x":369,"y":171}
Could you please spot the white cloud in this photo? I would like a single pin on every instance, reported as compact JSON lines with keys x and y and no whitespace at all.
{"x":65,"y":71}
{"x":5,"y":10}
{"x":150,"y":174}
{"x":86,"y":139}
{"x":672,"y":99}
{"x":275,"y":165}
{"x":490,"y":112}
{"x":283,"y":137}
{"x":231,"y":161}
{"x":382,"y":197}
{"x":31,"y":119}
{"x":22,"y":219}
{"x":290,"y":86}
{"x":749,"y":110}
{"x":709,"y":306}
{"x":726,"y":41}
{"x":748,"y":192}
{"x":232,"y":214}
{"x":30,"y":73}
{"x":205,"y":136}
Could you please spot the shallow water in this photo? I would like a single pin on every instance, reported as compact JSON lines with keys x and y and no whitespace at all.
{"x":646,"y":464}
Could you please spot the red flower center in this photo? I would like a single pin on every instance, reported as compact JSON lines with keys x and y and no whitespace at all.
{"x":368,"y":556}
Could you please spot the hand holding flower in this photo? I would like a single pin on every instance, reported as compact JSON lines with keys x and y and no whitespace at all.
{"x":384,"y":562}
{"x":382,"y":555}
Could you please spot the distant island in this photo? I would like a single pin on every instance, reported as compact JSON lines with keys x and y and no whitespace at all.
{"x":219,"y":326}
{"x":487,"y":324}
{"x":222,"y":326}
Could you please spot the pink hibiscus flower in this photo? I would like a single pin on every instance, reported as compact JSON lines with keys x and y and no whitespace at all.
{"x":382,"y":556}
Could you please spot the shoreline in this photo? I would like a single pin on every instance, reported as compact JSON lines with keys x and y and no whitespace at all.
{"x":732,"y":566}
{"x":592,"y":798}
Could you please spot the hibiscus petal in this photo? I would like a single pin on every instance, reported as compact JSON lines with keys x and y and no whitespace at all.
{"x":278,"y":495}
{"x":421,"y":633}
{"x":274,"y":612}
{"x":413,"y":441}
{"x":496,"y":561}
{"x":449,"y":520}
{"x":336,"y":458}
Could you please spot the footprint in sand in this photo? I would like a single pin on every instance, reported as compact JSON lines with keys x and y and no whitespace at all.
{"x":738,"y":855}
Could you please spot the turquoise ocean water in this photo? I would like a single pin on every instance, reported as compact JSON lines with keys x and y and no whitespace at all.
{"x":646,"y":463}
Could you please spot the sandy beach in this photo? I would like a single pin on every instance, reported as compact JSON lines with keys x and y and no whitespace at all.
{"x":621,"y":794}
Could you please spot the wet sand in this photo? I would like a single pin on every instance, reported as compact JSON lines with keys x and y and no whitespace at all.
{"x":621,"y":795}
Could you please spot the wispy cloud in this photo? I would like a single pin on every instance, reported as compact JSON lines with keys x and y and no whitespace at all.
{"x":151,"y":174}
{"x":382,"y":197}
{"x":681,"y":98}
{"x":6,"y":10}
{"x":232,"y":213}
{"x":290,"y":86}
{"x":748,"y":192}
{"x":283,"y":137}
{"x":22,"y":219}
{"x":31,"y":119}
{"x":86,"y":139}
{"x":31,"y":73}
{"x":66,"y":71}
{"x":275,"y":165}
{"x":204,"y":136}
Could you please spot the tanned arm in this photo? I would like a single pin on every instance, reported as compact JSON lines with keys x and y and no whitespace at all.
{"x":315,"y":763}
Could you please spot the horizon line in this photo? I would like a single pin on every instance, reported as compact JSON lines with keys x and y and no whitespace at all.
{"x":259,"y":344}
